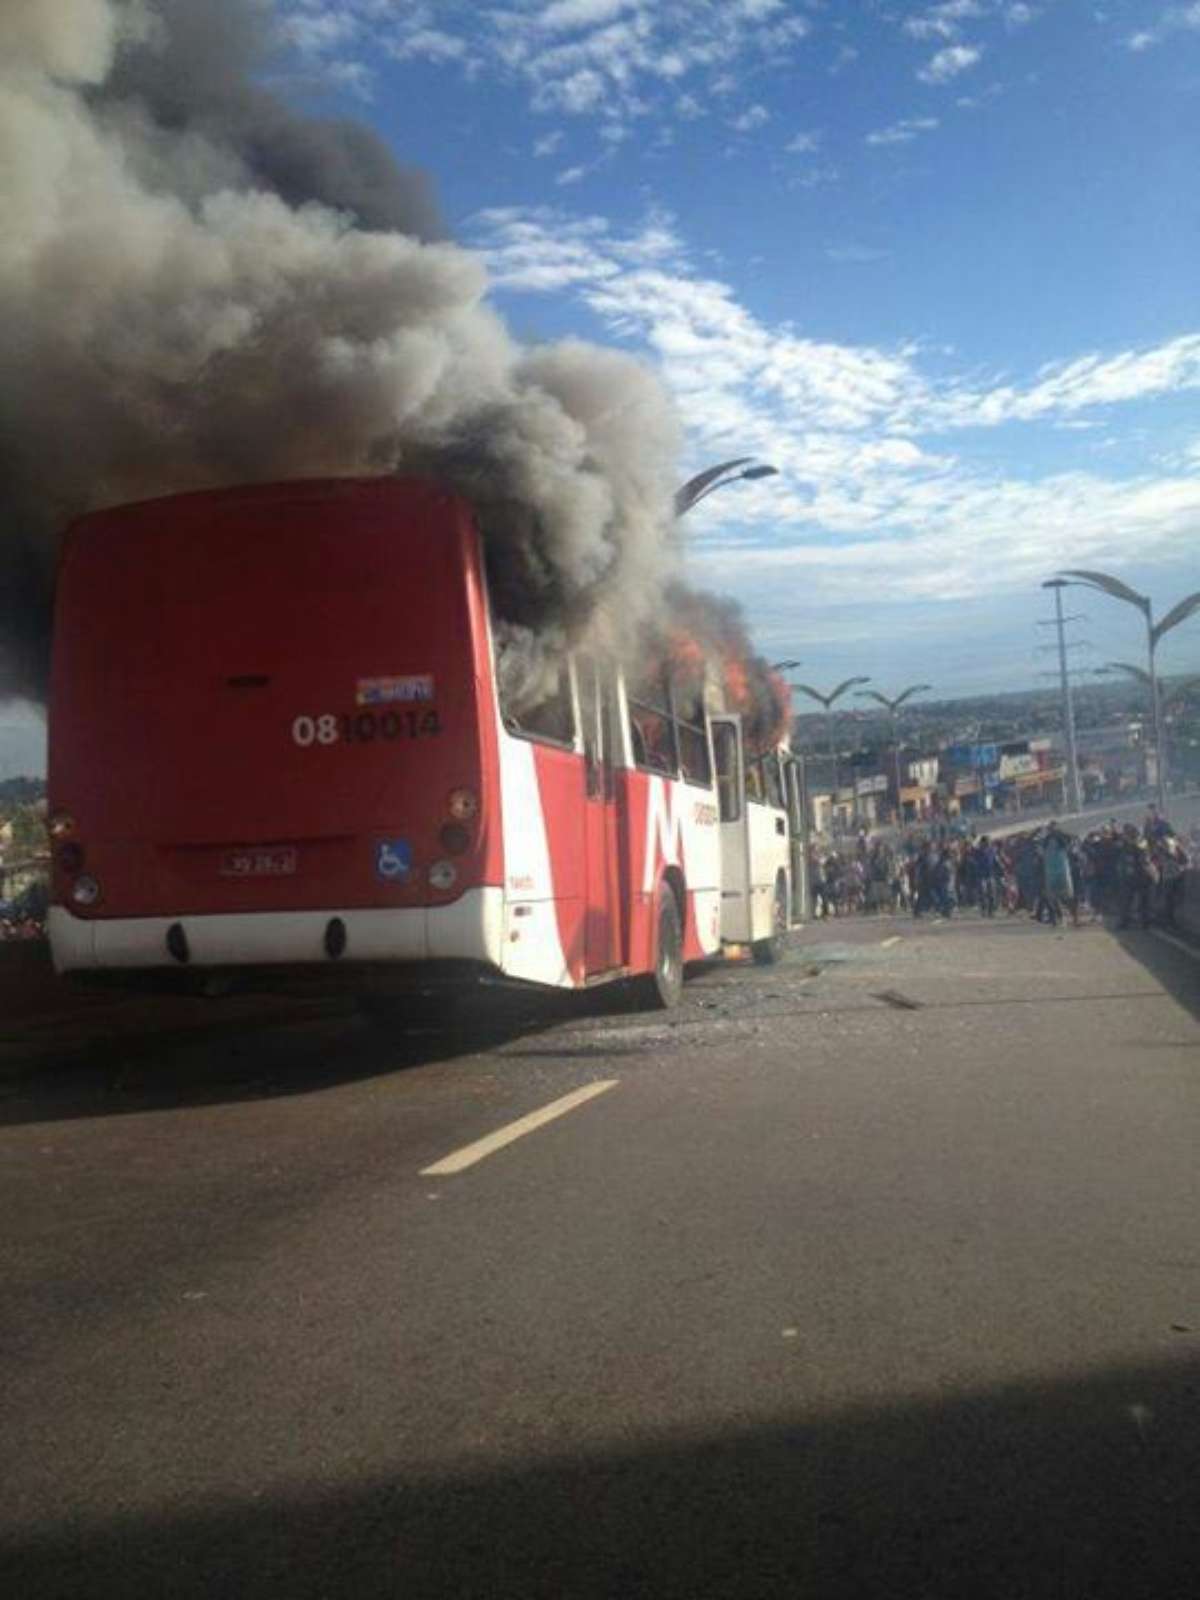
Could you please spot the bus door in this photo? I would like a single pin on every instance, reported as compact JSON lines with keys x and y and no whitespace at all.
{"x":602,"y":916}
{"x":729,"y":762}
{"x":797,"y":810}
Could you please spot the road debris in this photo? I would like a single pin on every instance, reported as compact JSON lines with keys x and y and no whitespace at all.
{"x":893,"y":997}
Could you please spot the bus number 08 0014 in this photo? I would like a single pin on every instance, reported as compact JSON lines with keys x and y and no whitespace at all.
{"x":364,"y":727}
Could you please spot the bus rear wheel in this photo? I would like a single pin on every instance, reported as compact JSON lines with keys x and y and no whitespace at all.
{"x":661,"y":988}
{"x":770,"y":950}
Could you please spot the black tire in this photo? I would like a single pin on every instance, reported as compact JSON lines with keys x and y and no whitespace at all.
{"x":660,"y":989}
{"x":768,"y":951}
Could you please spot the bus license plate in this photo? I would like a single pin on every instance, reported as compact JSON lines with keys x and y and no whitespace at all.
{"x":258,"y":864}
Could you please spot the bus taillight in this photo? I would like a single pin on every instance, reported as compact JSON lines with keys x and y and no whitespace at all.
{"x":85,"y":891}
{"x":69,"y":858}
{"x":455,"y":840}
{"x":463,"y":805}
{"x":443,"y":875}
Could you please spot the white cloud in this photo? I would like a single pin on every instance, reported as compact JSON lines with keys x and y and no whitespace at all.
{"x":316,"y":32}
{"x":355,"y":77}
{"x":548,"y":144}
{"x":863,"y":495}
{"x":975,"y":102}
{"x":427,"y":44}
{"x":938,"y":538}
{"x":1174,"y":19}
{"x":583,"y":57}
{"x":902,"y":132}
{"x":814,"y":177}
{"x":948,"y":63}
{"x":1067,"y":388}
{"x":570,"y":175}
{"x":644,"y":285}
{"x":759,"y":9}
{"x":755,"y":116}
{"x":579,"y":92}
{"x":942,"y":21}
{"x":541,"y":254}
{"x":804,"y":144}
{"x":565,"y":15}
{"x":929,"y":28}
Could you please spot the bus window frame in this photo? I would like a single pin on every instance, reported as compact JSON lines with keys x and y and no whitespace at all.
{"x":758,"y":761}
{"x":730,"y":788}
{"x":515,"y":730}
{"x":676,"y":725}
{"x":665,"y":712}
{"x":794,"y":794}
{"x":702,"y":732}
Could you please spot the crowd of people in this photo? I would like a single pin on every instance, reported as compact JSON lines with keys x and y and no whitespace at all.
{"x":24,"y":916}
{"x":1132,"y":873}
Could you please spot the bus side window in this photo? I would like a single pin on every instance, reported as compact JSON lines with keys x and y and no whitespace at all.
{"x":729,"y":801}
{"x":773,"y":782}
{"x":652,"y":737}
{"x":653,"y":733}
{"x":795,"y":793}
{"x":693,"y":743}
{"x":550,"y":718}
{"x":754,"y":779}
{"x":595,"y":709}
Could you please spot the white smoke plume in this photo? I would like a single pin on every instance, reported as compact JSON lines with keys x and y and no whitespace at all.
{"x":198,"y":286}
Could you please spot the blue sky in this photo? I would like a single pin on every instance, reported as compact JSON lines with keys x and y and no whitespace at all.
{"x":937,"y":263}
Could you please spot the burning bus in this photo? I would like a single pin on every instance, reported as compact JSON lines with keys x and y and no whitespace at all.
{"x":281,"y":737}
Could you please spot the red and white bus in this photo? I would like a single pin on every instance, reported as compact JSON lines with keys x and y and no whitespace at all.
{"x":278,"y":740}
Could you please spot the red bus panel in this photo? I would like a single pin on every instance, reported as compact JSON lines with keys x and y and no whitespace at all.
{"x":276,"y":698}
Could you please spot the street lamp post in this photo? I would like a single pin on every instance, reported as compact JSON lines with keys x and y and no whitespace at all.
{"x":695,"y":489}
{"x":827,"y":700}
{"x":1074,"y":797}
{"x":893,"y":706}
{"x":1179,"y":693}
{"x":1155,"y":632}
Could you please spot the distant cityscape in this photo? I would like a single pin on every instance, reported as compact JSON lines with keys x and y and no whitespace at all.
{"x":992,"y":754}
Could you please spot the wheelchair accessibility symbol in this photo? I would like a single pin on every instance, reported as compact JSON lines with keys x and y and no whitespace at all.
{"x":393,"y":859}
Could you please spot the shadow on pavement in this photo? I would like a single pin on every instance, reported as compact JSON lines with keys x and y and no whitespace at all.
{"x":1081,"y":1490}
{"x":288,"y":1054}
{"x":1178,"y":972}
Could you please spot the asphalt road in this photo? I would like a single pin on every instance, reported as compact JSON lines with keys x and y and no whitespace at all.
{"x":876,"y":1273}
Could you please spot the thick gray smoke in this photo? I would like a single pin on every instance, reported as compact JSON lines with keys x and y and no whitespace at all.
{"x":199,"y":287}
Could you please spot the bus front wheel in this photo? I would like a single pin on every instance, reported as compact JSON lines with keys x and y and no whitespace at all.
{"x":661,"y":988}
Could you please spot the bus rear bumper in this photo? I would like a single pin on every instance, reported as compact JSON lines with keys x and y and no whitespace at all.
{"x":471,"y":928}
